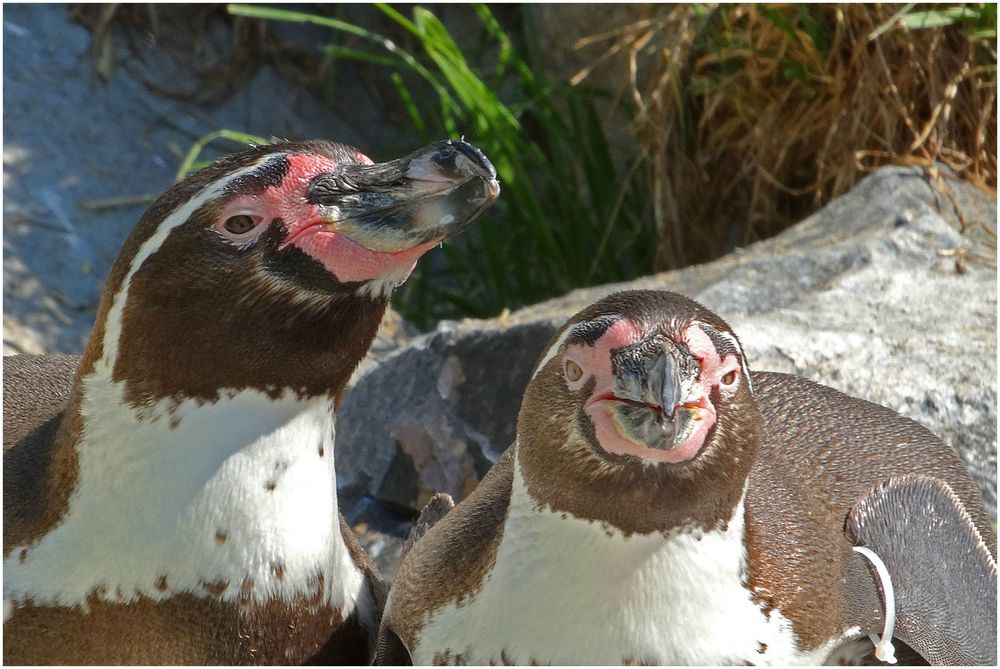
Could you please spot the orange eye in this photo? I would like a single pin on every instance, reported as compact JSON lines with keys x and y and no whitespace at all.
{"x":573,"y":371}
{"x":729,"y":378}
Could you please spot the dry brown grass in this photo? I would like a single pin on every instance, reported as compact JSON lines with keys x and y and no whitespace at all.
{"x":754,"y":116}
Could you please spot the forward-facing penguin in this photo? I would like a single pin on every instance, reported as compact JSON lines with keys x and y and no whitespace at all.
{"x":169,"y":498}
{"x":662,"y":505}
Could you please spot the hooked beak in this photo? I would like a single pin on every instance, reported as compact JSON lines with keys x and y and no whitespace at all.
{"x":658,"y":398}
{"x":389,"y":207}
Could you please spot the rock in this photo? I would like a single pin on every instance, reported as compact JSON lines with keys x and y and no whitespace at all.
{"x":864,"y":296}
{"x":406,"y":430}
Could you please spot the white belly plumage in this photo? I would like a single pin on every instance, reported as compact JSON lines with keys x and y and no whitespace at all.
{"x":234,"y":493}
{"x":570,"y":591}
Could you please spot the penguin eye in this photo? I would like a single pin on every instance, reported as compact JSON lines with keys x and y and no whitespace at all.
{"x":729,"y":378}
{"x":240,"y":224}
{"x":573,"y":371}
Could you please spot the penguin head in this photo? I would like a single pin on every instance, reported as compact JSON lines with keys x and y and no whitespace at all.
{"x":317,"y":218}
{"x":273,"y":266}
{"x":643,"y":389}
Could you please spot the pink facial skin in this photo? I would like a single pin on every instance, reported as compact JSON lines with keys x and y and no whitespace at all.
{"x":595,"y":361}
{"x":345,"y":259}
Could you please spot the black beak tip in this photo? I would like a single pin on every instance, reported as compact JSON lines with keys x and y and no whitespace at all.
{"x":476,"y":157}
{"x":460,"y":160}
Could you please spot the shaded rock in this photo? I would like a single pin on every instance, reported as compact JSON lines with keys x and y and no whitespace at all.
{"x":381,"y":529}
{"x":426,"y":418}
{"x":864,"y":296}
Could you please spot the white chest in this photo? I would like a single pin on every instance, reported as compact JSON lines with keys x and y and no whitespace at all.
{"x":235,"y":498}
{"x":568,"y":591}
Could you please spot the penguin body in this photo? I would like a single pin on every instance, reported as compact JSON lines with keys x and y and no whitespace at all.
{"x":170,"y":497}
{"x":662,"y":505}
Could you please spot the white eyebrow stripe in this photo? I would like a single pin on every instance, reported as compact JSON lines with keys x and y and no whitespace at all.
{"x":180,"y":215}
{"x":736,"y":344}
{"x":552,"y":351}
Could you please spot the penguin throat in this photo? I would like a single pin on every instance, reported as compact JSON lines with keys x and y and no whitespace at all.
{"x":231,"y":499}
{"x":349,"y":261}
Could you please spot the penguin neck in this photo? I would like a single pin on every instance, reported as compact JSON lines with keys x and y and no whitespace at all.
{"x":232,"y":498}
{"x":528,"y":507}
{"x":635,"y":498}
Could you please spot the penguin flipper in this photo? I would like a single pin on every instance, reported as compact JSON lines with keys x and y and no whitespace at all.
{"x":391,"y":652}
{"x":941,"y":573}
{"x":440,"y":504}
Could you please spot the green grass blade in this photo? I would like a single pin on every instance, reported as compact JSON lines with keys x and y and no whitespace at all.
{"x":191,"y":163}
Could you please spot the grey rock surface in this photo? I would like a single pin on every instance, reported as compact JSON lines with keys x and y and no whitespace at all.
{"x":864,"y":296}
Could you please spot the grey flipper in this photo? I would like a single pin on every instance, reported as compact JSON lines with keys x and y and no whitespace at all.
{"x":36,"y":389}
{"x":390,"y":650}
{"x":943,"y":576}
{"x":441,"y":503}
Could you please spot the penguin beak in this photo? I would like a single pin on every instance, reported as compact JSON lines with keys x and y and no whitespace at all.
{"x":656,"y":385}
{"x":389,"y":207}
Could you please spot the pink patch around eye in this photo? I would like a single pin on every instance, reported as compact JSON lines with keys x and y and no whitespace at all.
{"x":714,"y":369}
{"x":622,"y":332}
{"x":248,"y":205}
{"x":596,"y":360}
{"x":701,"y":347}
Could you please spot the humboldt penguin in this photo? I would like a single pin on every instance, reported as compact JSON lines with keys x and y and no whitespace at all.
{"x":664,"y":505}
{"x":169,"y":497}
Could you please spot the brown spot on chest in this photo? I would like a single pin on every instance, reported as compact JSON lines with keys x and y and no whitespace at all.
{"x":221,"y":536}
{"x":215,"y":588}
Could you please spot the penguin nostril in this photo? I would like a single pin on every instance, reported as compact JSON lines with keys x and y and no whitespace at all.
{"x":573,"y":371}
